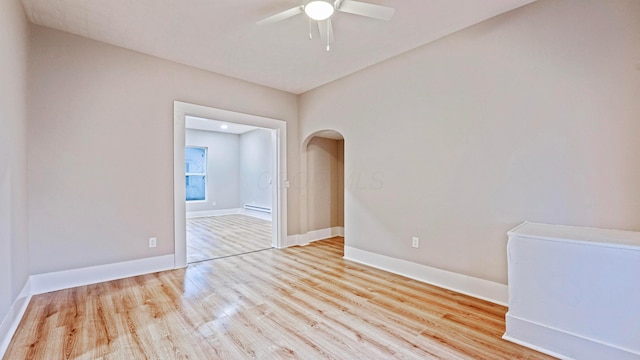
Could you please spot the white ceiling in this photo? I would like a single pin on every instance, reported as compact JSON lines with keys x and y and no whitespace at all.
{"x":196,"y":123}
{"x":221,"y":35}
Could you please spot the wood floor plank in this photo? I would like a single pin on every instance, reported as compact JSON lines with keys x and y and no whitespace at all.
{"x":214,"y":237}
{"x":296,"y":303}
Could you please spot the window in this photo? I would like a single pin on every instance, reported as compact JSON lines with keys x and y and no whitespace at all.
{"x":196,"y":173}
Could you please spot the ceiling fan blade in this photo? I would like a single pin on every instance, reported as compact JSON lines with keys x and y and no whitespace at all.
{"x":365,"y":9}
{"x":326,"y":32}
{"x":281,"y":16}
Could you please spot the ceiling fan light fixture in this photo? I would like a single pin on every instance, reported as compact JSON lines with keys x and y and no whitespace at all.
{"x":319,"y":10}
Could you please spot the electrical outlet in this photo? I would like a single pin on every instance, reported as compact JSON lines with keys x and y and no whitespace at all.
{"x":213,"y":203}
{"x":415,"y":242}
{"x":152,"y":242}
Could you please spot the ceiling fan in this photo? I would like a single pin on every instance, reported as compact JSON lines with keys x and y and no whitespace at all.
{"x":322,"y":11}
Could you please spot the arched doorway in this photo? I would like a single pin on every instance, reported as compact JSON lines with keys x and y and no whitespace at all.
{"x":322,"y":198}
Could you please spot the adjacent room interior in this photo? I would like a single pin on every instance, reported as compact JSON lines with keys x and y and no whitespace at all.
{"x":229,"y":188}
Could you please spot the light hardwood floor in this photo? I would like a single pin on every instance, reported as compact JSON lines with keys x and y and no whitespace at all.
{"x":296,"y":303}
{"x":219,"y":236}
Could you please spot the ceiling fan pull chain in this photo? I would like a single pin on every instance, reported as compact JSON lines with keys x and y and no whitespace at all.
{"x":310,"y":35}
{"x":328,"y":35}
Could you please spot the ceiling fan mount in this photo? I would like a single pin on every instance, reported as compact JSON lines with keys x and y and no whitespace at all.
{"x":322,"y":11}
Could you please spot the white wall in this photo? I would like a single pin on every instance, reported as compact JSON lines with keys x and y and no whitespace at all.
{"x":532,"y":115}
{"x":223,"y":169}
{"x":239,"y":168}
{"x":257,"y":158}
{"x":14,"y":246}
{"x":101,"y":147}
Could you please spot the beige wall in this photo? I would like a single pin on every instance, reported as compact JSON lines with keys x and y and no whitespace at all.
{"x":325,"y":183}
{"x":533,"y":115}
{"x":14,"y":245}
{"x":101,"y":147}
{"x":529,"y":116}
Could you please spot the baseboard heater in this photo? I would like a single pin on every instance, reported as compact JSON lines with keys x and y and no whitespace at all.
{"x":257,"y":208}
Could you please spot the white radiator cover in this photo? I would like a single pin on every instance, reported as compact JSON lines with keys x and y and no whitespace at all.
{"x":257,"y":208}
{"x":574,"y":292}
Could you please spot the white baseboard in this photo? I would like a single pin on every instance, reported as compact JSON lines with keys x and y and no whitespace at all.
{"x":42,"y":283}
{"x":10,"y":323}
{"x":478,"y":288}
{"x":337,"y":231}
{"x":257,"y":214}
{"x":297,"y":239}
{"x":561,"y":344}
{"x":314,"y":235}
{"x":206,"y":213}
